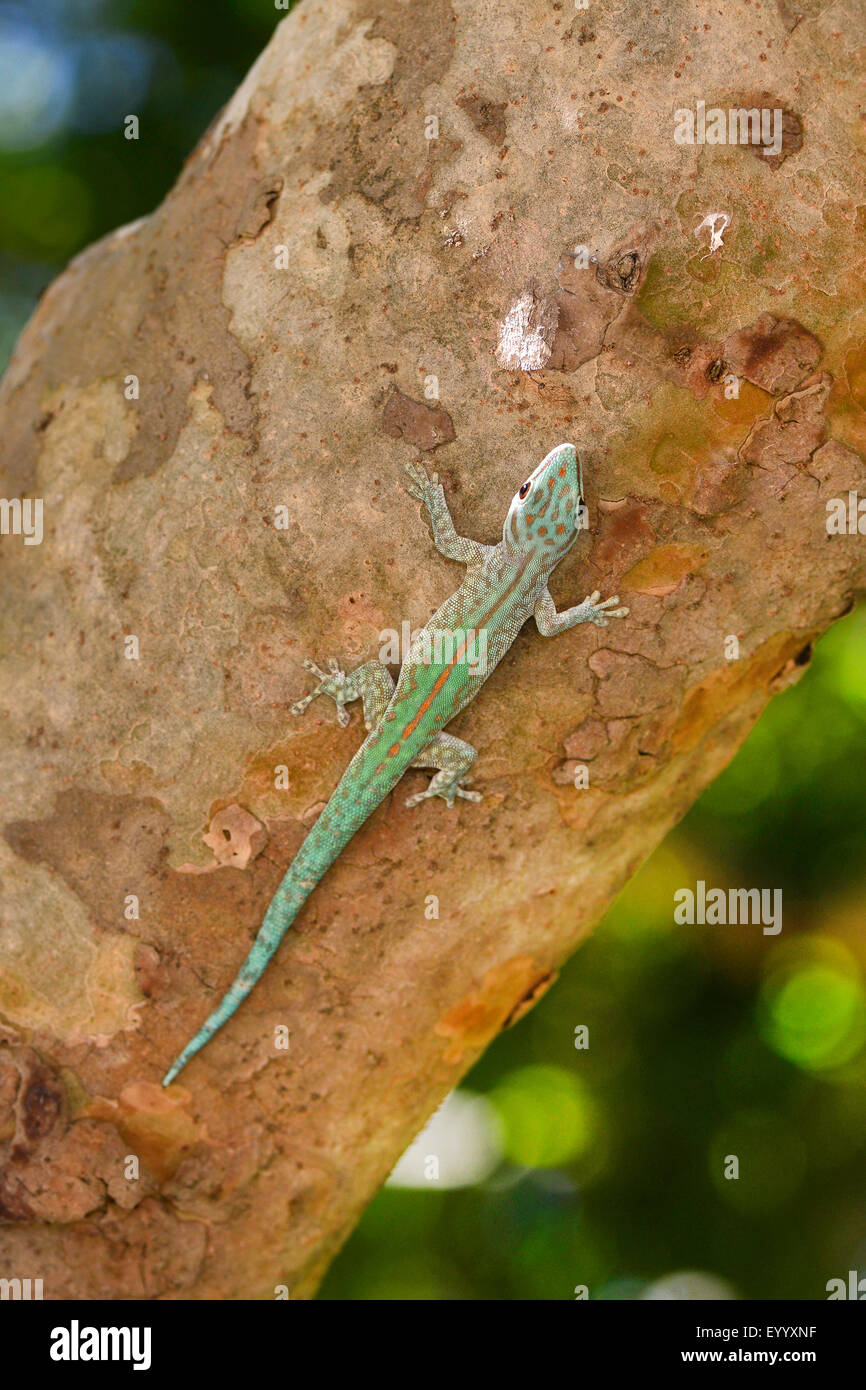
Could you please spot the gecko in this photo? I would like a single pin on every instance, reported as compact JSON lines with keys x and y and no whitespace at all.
{"x":441,"y":673}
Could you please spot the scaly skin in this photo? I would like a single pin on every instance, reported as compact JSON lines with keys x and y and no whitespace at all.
{"x":441,"y":673}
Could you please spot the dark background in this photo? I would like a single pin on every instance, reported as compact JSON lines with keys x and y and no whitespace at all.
{"x":558,"y":1167}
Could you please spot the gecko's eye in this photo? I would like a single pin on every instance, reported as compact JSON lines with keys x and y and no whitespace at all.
{"x":523,"y":491}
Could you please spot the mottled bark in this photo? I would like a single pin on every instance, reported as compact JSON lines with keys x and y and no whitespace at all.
{"x":307,"y":388}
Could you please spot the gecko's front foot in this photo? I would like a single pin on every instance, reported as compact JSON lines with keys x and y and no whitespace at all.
{"x":331,"y":682}
{"x":599,"y":613}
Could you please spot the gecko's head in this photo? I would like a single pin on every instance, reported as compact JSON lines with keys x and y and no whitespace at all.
{"x":546,"y":512}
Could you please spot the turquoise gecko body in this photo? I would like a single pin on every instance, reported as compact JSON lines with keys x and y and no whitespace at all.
{"x":443,"y":670}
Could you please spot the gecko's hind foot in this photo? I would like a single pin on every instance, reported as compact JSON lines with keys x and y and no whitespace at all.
{"x":448,"y":794}
{"x":331,"y":682}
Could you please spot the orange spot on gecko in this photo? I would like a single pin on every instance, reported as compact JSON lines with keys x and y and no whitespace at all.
{"x":542,"y":530}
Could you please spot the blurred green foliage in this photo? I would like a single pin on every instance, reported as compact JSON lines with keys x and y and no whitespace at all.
{"x":599,"y":1166}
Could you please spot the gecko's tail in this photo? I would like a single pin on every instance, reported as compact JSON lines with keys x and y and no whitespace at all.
{"x":236,"y":994}
{"x":315,"y":856}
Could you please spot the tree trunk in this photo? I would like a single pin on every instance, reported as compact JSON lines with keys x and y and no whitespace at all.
{"x":374,"y":255}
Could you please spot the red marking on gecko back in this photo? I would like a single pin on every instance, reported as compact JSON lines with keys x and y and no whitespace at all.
{"x":440,"y":681}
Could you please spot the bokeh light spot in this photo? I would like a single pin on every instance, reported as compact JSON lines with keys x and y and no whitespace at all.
{"x":547,"y":1114}
{"x":37,"y":88}
{"x":815,"y":1016}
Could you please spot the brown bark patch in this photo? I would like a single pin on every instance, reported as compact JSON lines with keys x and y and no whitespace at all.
{"x":488,"y":117}
{"x":773,"y":353}
{"x":424,"y":426}
{"x":99,"y":845}
{"x":663,"y":571}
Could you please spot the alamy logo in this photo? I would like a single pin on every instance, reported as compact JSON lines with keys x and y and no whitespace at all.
{"x":737,"y":907}
{"x":19,"y":518}
{"x":855,"y":1288}
{"x":22,"y":1289}
{"x":846,"y":518}
{"x":460,"y":647}
{"x":738,"y":125}
{"x":76,"y":1343}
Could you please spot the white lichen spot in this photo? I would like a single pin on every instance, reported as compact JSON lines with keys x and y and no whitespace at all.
{"x":716,"y":224}
{"x":526,"y":334}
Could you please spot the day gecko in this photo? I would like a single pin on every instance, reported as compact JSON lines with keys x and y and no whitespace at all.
{"x":441,"y":673}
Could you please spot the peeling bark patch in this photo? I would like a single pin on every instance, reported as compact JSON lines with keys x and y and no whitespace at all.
{"x":54,"y":1168}
{"x":99,"y":845}
{"x":488,"y":117}
{"x":152,"y":1124}
{"x":717,"y":487}
{"x":13,"y":1205}
{"x":183,"y":334}
{"x":424,"y":426}
{"x":531,"y":998}
{"x":796,"y":428}
{"x":369,"y":154}
{"x":526,"y":334}
{"x":471,"y":1024}
{"x":707,"y":703}
{"x":772,"y":353}
{"x":623,"y":535}
{"x":588,"y":303}
{"x":235,"y":836}
{"x":259,"y":209}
